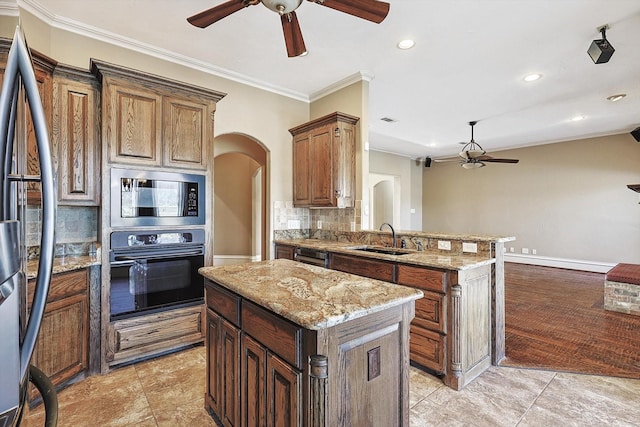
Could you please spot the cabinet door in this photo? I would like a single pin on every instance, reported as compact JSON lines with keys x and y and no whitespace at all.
{"x":254,"y":387}
{"x":229,"y":378}
{"x":186,"y":132}
{"x":214,"y":323}
{"x":133,"y":119}
{"x":283,"y":393}
{"x":284,"y":251}
{"x":44,"y":79}
{"x":301,"y":171}
{"x":322,"y":161}
{"x":62,"y":347}
{"x":76,"y":137}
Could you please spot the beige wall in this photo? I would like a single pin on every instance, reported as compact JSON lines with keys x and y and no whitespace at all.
{"x":233,"y":204}
{"x":567,"y":200}
{"x":410,"y":174}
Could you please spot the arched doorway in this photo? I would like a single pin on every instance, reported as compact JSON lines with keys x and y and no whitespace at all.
{"x":240,"y":232}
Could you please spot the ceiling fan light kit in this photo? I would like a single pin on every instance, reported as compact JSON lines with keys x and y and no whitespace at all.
{"x":601,"y":50}
{"x":370,"y":10}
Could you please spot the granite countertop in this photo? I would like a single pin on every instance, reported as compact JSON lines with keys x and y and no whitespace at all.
{"x":64,"y":263}
{"x":312,"y":297}
{"x":412,"y":257}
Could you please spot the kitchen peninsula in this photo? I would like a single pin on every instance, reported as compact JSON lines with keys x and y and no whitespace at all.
{"x":458,"y":329}
{"x":294,"y":344}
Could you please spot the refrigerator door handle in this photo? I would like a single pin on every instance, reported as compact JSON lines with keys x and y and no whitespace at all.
{"x":19,"y":64}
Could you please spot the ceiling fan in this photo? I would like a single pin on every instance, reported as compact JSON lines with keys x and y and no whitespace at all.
{"x":371,"y":10}
{"x":474,"y":156}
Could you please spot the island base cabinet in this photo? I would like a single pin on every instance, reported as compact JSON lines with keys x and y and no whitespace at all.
{"x":365,"y":378}
{"x":223,"y":381}
{"x":270,"y":388}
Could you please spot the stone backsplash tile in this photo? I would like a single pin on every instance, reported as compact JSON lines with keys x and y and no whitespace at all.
{"x":76,"y":229}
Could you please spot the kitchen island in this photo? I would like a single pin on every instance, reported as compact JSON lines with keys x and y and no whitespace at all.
{"x":294,"y":344}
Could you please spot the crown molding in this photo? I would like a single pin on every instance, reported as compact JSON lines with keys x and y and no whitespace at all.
{"x":361,"y":76}
{"x":9,"y":8}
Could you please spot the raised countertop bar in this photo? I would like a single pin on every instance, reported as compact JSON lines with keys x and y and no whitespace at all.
{"x":435,"y":259}
{"x":312,"y":297}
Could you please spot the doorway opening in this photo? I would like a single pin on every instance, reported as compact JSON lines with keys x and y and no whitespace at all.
{"x":240,"y":232}
{"x":384,"y":199}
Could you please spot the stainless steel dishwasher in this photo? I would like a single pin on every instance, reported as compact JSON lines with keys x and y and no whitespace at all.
{"x":312,"y":256}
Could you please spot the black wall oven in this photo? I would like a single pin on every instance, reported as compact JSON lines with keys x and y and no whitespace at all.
{"x":154,"y":270}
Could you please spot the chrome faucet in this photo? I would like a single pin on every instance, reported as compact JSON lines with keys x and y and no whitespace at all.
{"x":393,"y":232}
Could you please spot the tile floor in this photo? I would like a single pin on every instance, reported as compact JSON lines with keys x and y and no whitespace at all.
{"x":169,"y":391}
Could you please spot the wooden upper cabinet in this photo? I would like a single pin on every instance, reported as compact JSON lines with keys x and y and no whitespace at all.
{"x":76,"y":137}
{"x":133,"y":118}
{"x":154,"y":121}
{"x":324,"y":161}
{"x":185,"y":132}
{"x":43,"y":70}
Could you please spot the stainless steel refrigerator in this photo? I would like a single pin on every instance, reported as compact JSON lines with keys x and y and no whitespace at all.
{"x":19,"y":327}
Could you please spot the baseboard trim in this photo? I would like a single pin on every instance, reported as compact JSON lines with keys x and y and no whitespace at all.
{"x":234,"y":259}
{"x":570,"y":264}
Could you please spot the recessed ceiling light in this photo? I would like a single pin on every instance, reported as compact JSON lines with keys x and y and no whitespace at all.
{"x":577,"y":118}
{"x":618,"y":97}
{"x":532,"y":77}
{"x":406,"y":44}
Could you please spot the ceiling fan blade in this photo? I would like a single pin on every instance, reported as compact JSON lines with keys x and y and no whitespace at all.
{"x":445,"y":160}
{"x":501,"y":160}
{"x":371,"y":10}
{"x":209,"y":16}
{"x":292,"y":35}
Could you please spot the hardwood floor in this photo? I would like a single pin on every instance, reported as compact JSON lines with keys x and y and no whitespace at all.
{"x":555,"y":319}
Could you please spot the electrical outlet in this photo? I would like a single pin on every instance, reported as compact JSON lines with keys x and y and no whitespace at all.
{"x":319,"y":225}
{"x":525,"y":251}
{"x":445,"y":245}
{"x":533,"y":252}
{"x":512,"y":250}
{"x":470,"y":247}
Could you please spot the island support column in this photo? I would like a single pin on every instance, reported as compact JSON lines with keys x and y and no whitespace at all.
{"x":319,"y":373}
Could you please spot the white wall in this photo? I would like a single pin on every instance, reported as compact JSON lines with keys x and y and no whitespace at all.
{"x":567,"y":200}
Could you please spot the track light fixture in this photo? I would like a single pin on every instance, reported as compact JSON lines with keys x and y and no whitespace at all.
{"x":601,"y":50}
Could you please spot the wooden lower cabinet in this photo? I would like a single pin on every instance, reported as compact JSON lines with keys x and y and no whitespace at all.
{"x":364,"y":358}
{"x":284,"y":251}
{"x":62,"y":347}
{"x":267,"y":378}
{"x":374,"y":269}
{"x":152,"y":334}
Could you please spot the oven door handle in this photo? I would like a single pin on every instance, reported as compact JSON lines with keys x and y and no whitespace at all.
{"x":173,"y":254}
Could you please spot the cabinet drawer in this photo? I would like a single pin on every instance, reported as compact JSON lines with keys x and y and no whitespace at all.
{"x":62,"y":285}
{"x":372,"y":269}
{"x":427,"y":348}
{"x":421,"y":278}
{"x":430,"y":312}
{"x":277,"y":334}
{"x":223,"y":302}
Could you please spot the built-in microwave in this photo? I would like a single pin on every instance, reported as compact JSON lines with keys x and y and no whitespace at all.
{"x":156,"y":198}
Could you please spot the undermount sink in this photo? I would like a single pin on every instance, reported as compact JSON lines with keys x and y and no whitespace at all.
{"x":381,"y":250}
